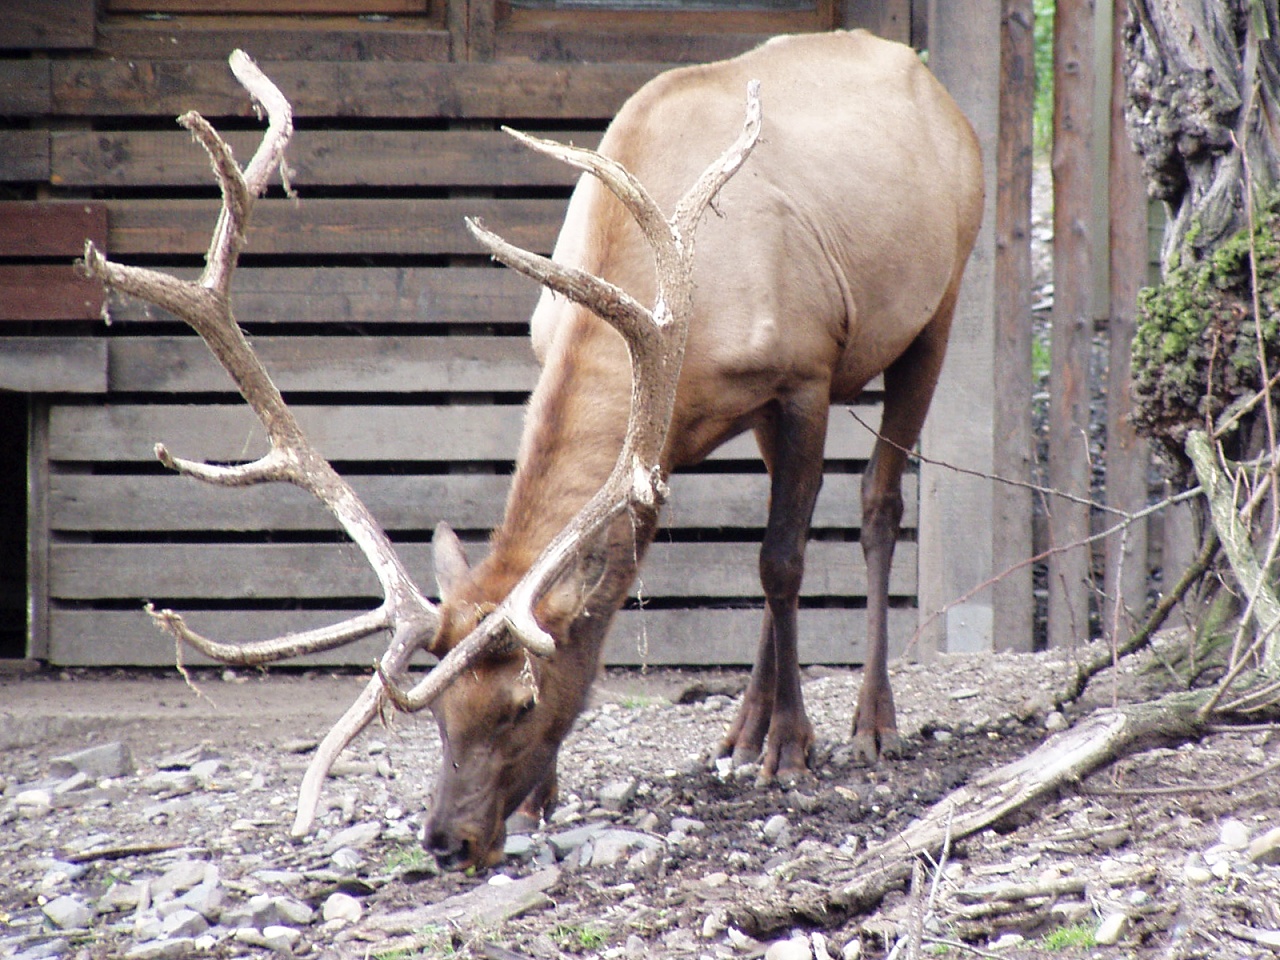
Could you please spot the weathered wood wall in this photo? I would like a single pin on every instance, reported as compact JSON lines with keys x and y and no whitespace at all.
{"x":402,"y":349}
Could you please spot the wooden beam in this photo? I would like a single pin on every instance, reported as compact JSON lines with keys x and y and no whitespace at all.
{"x":53,"y":364}
{"x":47,"y":24}
{"x":1012,"y":597}
{"x":1070,"y":461}
{"x":48,"y":292}
{"x":1128,"y":454}
{"x":24,"y":156}
{"x":31,"y":229}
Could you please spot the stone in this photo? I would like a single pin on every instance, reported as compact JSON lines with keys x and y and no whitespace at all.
{"x":610,"y":846}
{"x":180,"y":877}
{"x":616,"y":795}
{"x":346,"y":859}
{"x":570,"y":840}
{"x":184,"y":923}
{"x":852,"y":950}
{"x":1055,"y":722}
{"x":34,"y":803}
{"x":172,"y":949}
{"x":102,"y":762}
{"x":68,"y":912}
{"x":171,"y":783}
{"x":342,"y":907}
{"x":293,"y":913}
{"x":279,"y":937}
{"x":1234,"y":834}
{"x":1266,"y":848}
{"x":1112,"y":930}
{"x":122,"y":896}
{"x":355,"y":836}
{"x":775,"y":829}
{"x":797,"y":948}
{"x":520,"y":846}
{"x":687,"y":825}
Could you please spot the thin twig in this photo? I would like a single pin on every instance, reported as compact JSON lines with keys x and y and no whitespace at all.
{"x":1188,"y":788}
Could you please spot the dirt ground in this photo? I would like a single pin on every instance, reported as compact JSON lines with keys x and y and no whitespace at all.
{"x":1166,"y":869}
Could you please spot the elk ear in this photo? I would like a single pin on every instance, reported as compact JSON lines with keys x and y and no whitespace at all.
{"x":566,"y":599}
{"x":450,"y":562}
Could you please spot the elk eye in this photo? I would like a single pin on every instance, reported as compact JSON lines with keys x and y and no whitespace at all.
{"x":524,"y":709}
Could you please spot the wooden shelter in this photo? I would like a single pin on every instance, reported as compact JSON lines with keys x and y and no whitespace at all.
{"x":402,"y":348}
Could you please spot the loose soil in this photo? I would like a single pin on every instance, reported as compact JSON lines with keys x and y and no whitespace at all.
{"x":962,"y":715}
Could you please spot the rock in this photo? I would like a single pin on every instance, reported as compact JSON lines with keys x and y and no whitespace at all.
{"x":68,"y":912}
{"x":122,"y":896}
{"x":687,"y":825}
{"x":180,"y":877}
{"x":852,"y":950}
{"x":34,"y":803}
{"x":520,"y":846}
{"x":616,"y":795}
{"x":356,"y":836}
{"x":776,"y":829}
{"x":569,"y":841}
{"x":173,"y":949}
{"x":1266,"y":848}
{"x":280,"y":938}
{"x":1234,"y":834}
{"x":343,"y":907}
{"x":171,"y":783}
{"x":1055,"y":722}
{"x":1112,"y":929}
{"x":346,"y":859}
{"x":610,"y":846}
{"x":797,"y":948}
{"x":184,"y":923}
{"x":97,"y":763}
{"x":293,"y":913}
{"x":1008,"y":940}
{"x":1195,"y":872}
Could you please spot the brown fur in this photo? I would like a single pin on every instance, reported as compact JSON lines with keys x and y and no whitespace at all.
{"x":835,"y":255}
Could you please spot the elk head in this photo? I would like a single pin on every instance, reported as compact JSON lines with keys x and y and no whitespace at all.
{"x":502,"y":721}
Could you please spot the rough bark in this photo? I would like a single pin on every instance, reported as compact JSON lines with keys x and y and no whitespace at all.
{"x":1204,"y":81}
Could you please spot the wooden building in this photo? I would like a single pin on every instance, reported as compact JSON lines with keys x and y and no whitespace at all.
{"x":402,"y":348}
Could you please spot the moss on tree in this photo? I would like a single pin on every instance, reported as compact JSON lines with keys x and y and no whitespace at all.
{"x":1196,"y":349}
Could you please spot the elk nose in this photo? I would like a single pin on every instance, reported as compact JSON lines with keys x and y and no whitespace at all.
{"x":449,"y":851}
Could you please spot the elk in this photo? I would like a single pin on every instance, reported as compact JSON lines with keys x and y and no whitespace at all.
{"x":835,"y":257}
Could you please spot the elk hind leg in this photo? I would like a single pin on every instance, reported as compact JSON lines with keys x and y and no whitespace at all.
{"x":909,"y":383}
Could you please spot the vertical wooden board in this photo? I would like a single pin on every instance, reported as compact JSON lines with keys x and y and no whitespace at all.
{"x":32,"y":229}
{"x":47,"y":24}
{"x":957,"y":510}
{"x":1128,"y":454}
{"x":24,"y":156}
{"x":38,"y":535}
{"x":1069,"y":456}
{"x":1012,"y":595}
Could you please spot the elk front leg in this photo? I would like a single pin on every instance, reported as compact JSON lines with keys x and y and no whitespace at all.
{"x":791,"y":441}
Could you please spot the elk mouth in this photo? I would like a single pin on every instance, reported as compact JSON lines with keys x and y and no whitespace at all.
{"x":463,"y":851}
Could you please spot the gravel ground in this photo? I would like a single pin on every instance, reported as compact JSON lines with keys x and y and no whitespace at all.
{"x":170,"y":839}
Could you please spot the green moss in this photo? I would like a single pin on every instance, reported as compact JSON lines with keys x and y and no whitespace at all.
{"x":1196,"y":348}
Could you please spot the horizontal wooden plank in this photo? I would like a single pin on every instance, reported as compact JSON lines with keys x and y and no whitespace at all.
{"x":273,"y":38}
{"x":97,"y":503}
{"x":126,"y":432}
{"x":255,"y":6}
{"x":53,"y":364}
{"x":571,"y":42}
{"x":32,"y":229}
{"x":48,"y":292}
{"x":363,"y":295}
{"x":350,"y":89}
{"x":195,"y":572}
{"x":650,"y":637}
{"x":26,"y":88}
{"x":24,"y":156}
{"x":428,"y":227}
{"x":364,"y":158}
{"x":331,"y":364}
{"x":47,"y":24}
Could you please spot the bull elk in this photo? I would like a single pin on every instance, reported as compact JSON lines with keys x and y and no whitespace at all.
{"x":836,"y":256}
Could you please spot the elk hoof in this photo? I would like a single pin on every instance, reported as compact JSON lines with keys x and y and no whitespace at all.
{"x":865,"y":750}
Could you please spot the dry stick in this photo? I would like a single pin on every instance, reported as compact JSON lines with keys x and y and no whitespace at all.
{"x":1218,"y":787}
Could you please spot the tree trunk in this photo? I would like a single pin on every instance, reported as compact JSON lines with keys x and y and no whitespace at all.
{"x":1204,"y":79}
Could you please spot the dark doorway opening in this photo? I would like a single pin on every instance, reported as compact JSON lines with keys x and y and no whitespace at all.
{"x":13,"y":525}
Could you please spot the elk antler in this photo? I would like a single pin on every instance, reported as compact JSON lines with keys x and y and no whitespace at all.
{"x":655,"y":340}
{"x":405,"y":612}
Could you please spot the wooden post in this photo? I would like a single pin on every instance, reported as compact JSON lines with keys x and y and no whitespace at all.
{"x":1128,"y":455}
{"x":1069,"y":460}
{"x":1011,"y":538}
{"x":957,"y":510}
